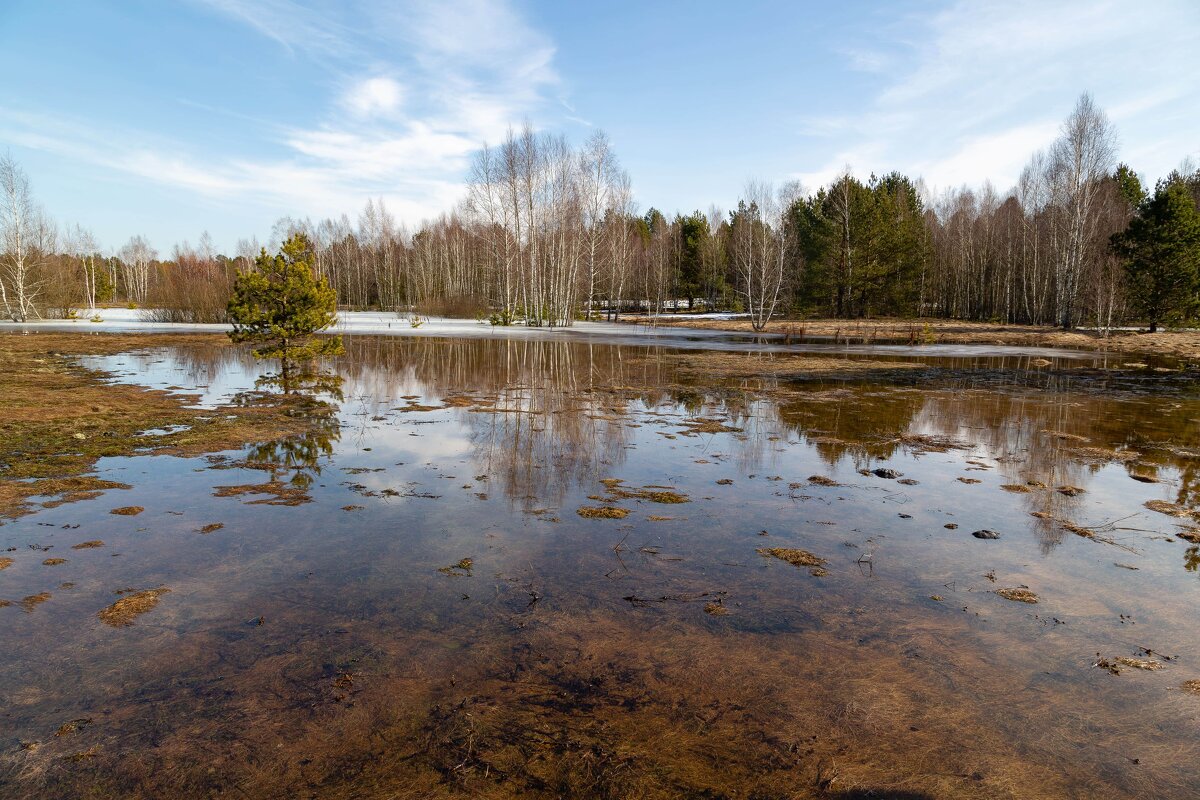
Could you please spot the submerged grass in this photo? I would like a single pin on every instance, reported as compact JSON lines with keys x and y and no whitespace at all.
{"x":463,"y":568}
{"x":30,"y":602}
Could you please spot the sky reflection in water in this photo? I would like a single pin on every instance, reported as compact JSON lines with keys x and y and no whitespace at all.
{"x":302,"y":638}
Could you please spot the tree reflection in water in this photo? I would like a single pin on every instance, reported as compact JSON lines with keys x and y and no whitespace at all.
{"x":545,"y":416}
{"x":315,"y":396}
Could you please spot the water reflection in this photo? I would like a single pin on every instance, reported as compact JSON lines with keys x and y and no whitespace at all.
{"x":545,"y":416}
{"x":435,"y":619}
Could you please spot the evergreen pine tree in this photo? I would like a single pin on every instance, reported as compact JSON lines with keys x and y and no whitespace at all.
{"x":1161,"y":249}
{"x":280,"y":304}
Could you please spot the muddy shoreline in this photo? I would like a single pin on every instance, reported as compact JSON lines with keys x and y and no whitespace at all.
{"x":1182,"y":344}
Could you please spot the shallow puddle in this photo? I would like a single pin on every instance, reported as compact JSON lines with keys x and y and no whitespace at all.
{"x":789,"y":598}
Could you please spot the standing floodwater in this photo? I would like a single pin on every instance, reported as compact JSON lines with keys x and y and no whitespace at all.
{"x":492,"y":568}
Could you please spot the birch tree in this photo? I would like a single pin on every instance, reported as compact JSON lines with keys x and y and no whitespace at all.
{"x":137,"y":257}
{"x":26,"y":240}
{"x":760,"y":248}
{"x":622,"y":245}
{"x":80,"y":245}
{"x":1081,"y":158}
{"x":597,"y":172}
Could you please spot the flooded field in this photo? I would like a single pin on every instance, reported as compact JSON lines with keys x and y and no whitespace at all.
{"x":547,"y":568}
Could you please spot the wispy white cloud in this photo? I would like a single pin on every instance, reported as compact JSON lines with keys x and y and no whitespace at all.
{"x":864,"y":59}
{"x":337,"y":178}
{"x":378,"y":96}
{"x":984,"y":157}
{"x":415,"y":88}
{"x":968,"y":93}
{"x":294,"y":26}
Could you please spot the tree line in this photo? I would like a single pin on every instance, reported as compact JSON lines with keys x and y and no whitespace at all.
{"x":548,"y":233}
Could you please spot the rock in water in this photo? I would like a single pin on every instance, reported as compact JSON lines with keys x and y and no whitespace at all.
{"x":985,"y":534}
{"x":890,"y":474}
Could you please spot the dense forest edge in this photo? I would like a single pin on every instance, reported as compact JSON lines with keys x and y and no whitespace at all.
{"x":548,"y":234}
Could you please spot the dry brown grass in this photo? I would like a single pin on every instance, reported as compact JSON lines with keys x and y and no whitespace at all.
{"x":1147,"y":664}
{"x":127,"y":511}
{"x":796,"y":557}
{"x":16,"y":496}
{"x":57,"y":418}
{"x":275,"y":493}
{"x":1170,"y":509}
{"x":417,"y":407}
{"x":602,"y":512}
{"x":655,"y":494}
{"x":821,"y":480}
{"x":89,"y":545}
{"x":122,"y":613}
{"x":1018,"y":595}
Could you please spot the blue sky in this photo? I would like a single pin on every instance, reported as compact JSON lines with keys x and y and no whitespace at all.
{"x":171,"y":117}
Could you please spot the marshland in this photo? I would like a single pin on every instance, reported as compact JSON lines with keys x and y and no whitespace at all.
{"x":397,"y":584}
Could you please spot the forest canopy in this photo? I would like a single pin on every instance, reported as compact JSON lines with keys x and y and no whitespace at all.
{"x":548,"y":233}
